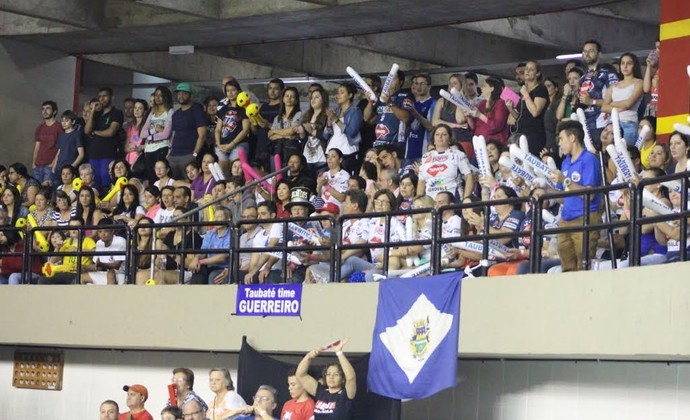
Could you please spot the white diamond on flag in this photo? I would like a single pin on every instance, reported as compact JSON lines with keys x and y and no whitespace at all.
{"x":416,"y":335}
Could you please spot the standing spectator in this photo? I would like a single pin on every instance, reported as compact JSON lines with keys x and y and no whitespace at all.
{"x":651,"y":80}
{"x":598,"y":78}
{"x":45,"y":149}
{"x":367,"y":128}
{"x":284,"y":134}
{"x":157,"y":130}
{"x":569,"y":98}
{"x":128,"y":112}
{"x":70,"y":150}
{"x":391,"y":108}
{"x":312,"y":132}
{"x":626,"y":96}
{"x":580,"y":170}
{"x":232,"y":129}
{"x":491,"y":117}
{"x":470,"y":88}
{"x":183,"y":379}
{"x":104,"y":129}
{"x":268,"y":111}
{"x":134,"y":144}
{"x":211,"y":109}
{"x":342,"y":129}
{"x":443,"y":167}
{"x":189,"y":131}
{"x":136,"y":397}
{"x":447,"y":113}
{"x":550,"y":120}
{"x":529,"y":114}
{"x":335,"y":390}
{"x":301,"y":406}
{"x":422,"y":113}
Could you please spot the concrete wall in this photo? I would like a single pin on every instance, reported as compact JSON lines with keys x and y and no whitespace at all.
{"x":632,"y":314}
{"x":29,"y":75}
{"x":486,"y":390}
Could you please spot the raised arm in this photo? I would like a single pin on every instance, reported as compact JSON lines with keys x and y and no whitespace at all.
{"x":302,"y":373}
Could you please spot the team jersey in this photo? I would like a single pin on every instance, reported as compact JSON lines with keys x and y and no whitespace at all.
{"x":596,"y":82}
{"x":440,"y":171}
{"x":389,"y":129}
{"x":418,"y":136}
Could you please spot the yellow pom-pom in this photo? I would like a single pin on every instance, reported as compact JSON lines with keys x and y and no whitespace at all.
{"x":243,"y":99}
{"x":150,"y":282}
{"x":252,"y":110}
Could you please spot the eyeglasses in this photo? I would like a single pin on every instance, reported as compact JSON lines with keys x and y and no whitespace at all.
{"x":178,"y":380}
{"x":262,"y":398}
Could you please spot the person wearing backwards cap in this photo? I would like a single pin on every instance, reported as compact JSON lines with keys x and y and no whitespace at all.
{"x":189,"y":131}
{"x":136,"y":397}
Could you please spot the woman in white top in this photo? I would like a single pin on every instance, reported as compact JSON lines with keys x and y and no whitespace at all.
{"x":157,"y":129}
{"x":332,"y":184}
{"x":225,"y":400}
{"x":162,"y":171}
{"x":312,"y":130}
{"x":626,"y":96}
{"x":343,"y":127}
{"x":444,"y":168}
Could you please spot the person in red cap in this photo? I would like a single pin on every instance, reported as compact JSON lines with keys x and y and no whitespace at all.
{"x":136,"y":397}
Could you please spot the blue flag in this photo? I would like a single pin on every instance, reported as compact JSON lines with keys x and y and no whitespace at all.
{"x":415,"y":343}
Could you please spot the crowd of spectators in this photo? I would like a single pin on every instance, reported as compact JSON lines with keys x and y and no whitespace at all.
{"x":353,"y":156}
{"x":327,"y":397}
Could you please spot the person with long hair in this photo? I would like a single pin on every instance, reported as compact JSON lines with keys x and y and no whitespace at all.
{"x":176,"y":239}
{"x":144,"y":244}
{"x":553,"y":87}
{"x":343,"y":126}
{"x":121,"y":168}
{"x":203,"y":184}
{"x":491,"y":115}
{"x":312,"y":132}
{"x":128,"y":209}
{"x":157,"y":130}
{"x":11,"y":202}
{"x":680,"y":151}
{"x":67,"y":175}
{"x":167,"y":205}
{"x":442,"y":166}
{"x":298,"y":174}
{"x":134,"y":144}
{"x":232,"y":129}
{"x":447,"y":113}
{"x":27,"y":186}
{"x":626,"y":96}
{"x":282,"y":197}
{"x":529,"y":113}
{"x":211,"y":108}
{"x":332,"y":184}
{"x":660,"y":156}
{"x":569,"y":97}
{"x":86,"y":209}
{"x":284,"y":133}
{"x":336,"y":388}
{"x":162,"y":173}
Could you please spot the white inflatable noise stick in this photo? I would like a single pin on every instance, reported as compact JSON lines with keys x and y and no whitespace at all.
{"x":524,"y":144}
{"x":642,"y":135}
{"x":455,"y":100}
{"x":621,"y":163}
{"x":588,"y":138}
{"x":482,"y":155}
{"x":532,"y":161}
{"x":654,"y":204}
{"x":389,"y":80}
{"x":361,"y":83}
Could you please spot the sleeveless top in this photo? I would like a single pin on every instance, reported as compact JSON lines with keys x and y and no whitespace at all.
{"x":621,"y":94}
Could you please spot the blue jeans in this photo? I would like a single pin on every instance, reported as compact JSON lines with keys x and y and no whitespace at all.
{"x":629,"y":129}
{"x":44,"y":174}
{"x":101,"y":175}
{"x":354,"y":264}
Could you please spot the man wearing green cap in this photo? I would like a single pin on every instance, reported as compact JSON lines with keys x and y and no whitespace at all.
{"x":189,"y":131}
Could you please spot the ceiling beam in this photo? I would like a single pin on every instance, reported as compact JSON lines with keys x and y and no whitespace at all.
{"x":14,"y":24}
{"x":83,"y":14}
{"x":643,"y":11}
{"x":207,"y":9}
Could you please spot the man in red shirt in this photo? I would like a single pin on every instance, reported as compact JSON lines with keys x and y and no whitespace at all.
{"x":136,"y":397}
{"x":45,"y":149}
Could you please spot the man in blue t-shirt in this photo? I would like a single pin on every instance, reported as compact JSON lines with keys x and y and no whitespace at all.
{"x":580,"y":170}
{"x":420,"y":127}
{"x":189,"y":126}
{"x":391,"y":114}
{"x":598,"y":78}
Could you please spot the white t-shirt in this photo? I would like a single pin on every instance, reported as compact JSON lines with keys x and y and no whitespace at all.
{"x":440,"y":171}
{"x":339,"y":183}
{"x":119,"y":244}
{"x":377,"y":235}
{"x":449,"y":229}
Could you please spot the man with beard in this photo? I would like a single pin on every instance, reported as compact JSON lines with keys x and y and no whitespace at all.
{"x":598,"y":78}
{"x":189,"y":131}
{"x":268,"y":111}
{"x":45,"y":149}
{"x":105,"y":142}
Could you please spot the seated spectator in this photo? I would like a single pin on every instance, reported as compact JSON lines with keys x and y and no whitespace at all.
{"x":442,"y":167}
{"x":264,"y":404}
{"x":172,"y":413}
{"x":250,"y":230}
{"x":120,"y":169}
{"x":86,"y":209}
{"x":670,"y":232}
{"x":192,"y":171}
{"x":11,"y":203}
{"x":408,"y":189}
{"x":152,"y":201}
{"x":167,"y":205}
{"x":183,"y":379}
{"x":63,"y":209}
{"x":27,"y":186}
{"x":136,"y":398}
{"x":240,"y":200}
{"x":388,"y":159}
{"x":494,"y":151}
{"x":214,"y":268}
{"x":106,"y":269}
{"x":354,"y":232}
{"x":177,"y":239}
{"x":299,"y":175}
{"x":370,"y":173}
{"x":299,"y":207}
{"x":203,"y":184}
{"x":282,"y":199}
{"x":65,"y":268}
{"x":226,"y":399}
{"x":129,"y":210}
{"x":67,"y":175}
{"x":162,"y":171}
{"x":144,"y":243}
{"x":333,"y":183}
{"x":236,"y":168}
{"x":182,"y":197}
{"x":262,"y":266}
{"x":680,"y":150}
{"x":301,"y":406}
{"x":11,"y":266}
{"x":649,"y":141}
{"x":193,"y":411}
{"x":451,"y":226}
{"x":86,"y":175}
{"x":334,"y":391}
{"x":319,"y":272}
{"x":660,"y":157}
{"x":385,"y":202}
{"x":412,"y":256}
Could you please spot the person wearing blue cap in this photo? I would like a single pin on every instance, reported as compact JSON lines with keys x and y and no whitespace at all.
{"x":189,"y":131}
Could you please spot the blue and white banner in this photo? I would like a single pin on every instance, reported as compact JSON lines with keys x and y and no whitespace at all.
{"x":415,"y":343}
{"x":269,"y":299}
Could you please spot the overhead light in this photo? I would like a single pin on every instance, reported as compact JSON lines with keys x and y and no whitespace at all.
{"x":568,"y":56}
{"x":181,"y":49}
